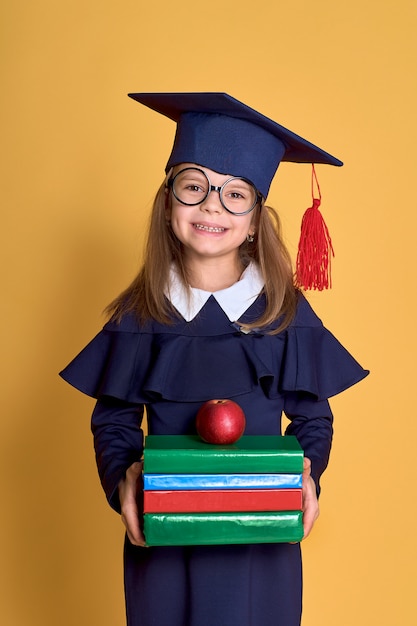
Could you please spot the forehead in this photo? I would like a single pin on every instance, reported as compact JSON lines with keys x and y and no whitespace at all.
{"x":198,"y":166}
{"x":215,"y":177}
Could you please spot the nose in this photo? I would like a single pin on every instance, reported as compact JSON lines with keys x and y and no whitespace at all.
{"x":212,"y":202}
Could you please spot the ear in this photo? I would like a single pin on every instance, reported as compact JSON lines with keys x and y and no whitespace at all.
{"x":255,"y":220}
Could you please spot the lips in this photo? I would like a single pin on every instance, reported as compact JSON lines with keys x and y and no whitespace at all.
{"x":209,"y":229}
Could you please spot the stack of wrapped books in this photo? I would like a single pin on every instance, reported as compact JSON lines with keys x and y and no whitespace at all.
{"x":197,"y":493}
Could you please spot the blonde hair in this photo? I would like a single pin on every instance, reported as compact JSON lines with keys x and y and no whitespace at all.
{"x":145,"y":295}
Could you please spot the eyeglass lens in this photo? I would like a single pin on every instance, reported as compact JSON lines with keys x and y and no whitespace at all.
{"x":191,"y":186}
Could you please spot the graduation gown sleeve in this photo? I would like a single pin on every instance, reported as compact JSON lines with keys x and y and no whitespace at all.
{"x":118,"y":442}
{"x":312,"y":424}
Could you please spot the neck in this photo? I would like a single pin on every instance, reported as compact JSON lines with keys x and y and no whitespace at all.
{"x":214,"y":275}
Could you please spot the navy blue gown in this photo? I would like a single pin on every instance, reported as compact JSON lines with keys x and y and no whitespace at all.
{"x":171,"y":370}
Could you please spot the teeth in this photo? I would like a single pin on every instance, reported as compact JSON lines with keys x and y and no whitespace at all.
{"x":209,"y":229}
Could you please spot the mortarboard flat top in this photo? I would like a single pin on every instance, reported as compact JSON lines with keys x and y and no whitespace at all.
{"x":219,"y":132}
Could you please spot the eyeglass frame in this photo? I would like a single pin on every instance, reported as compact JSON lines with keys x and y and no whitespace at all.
{"x":219,"y":189}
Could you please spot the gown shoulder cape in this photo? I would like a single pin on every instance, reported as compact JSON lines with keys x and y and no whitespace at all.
{"x":209,"y":357}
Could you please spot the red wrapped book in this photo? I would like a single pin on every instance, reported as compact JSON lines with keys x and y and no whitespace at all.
{"x":221,"y":500}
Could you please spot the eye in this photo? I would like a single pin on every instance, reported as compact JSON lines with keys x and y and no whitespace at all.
{"x":237,"y":190}
{"x":238,"y":195}
{"x":191,"y":182}
{"x":235,"y":195}
{"x":193,"y":187}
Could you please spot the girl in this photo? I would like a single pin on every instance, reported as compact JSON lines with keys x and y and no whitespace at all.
{"x":213,"y":313}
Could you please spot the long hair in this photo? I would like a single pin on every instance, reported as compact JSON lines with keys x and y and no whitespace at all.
{"x":145,"y":295}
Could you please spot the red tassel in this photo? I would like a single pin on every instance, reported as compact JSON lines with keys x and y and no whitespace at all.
{"x":315,"y":250}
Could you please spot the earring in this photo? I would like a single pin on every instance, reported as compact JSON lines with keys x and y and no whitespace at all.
{"x":250,"y":238}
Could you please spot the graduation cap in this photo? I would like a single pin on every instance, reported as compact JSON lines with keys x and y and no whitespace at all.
{"x":216,"y":131}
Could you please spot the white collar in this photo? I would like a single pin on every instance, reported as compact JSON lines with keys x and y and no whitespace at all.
{"x":234,"y":300}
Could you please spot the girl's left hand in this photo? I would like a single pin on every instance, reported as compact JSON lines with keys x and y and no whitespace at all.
{"x":310,"y":502}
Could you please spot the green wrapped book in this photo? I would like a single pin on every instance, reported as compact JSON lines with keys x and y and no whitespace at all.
{"x":178,"y":529}
{"x":189,"y":454}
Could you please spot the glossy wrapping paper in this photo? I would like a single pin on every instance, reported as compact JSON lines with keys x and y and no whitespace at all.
{"x":170,"y":529}
{"x":182,"y":454}
{"x":221,"y":481}
{"x":221,"y":500}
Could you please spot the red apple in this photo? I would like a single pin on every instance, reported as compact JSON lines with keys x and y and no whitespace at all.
{"x":220,"y":421}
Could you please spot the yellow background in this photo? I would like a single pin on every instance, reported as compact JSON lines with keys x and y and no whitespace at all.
{"x":80,"y":164}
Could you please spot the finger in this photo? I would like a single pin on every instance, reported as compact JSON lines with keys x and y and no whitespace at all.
{"x":306,"y":467}
{"x":309,"y":517}
{"x":134,"y":471}
{"x":133,"y":530}
{"x":137,"y":539}
{"x":310,"y":502}
{"x":129,"y":490}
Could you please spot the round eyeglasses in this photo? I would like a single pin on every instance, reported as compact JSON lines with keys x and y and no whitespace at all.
{"x":191,"y":186}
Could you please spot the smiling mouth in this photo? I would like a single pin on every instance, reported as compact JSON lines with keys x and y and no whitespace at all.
{"x":209,"y":229}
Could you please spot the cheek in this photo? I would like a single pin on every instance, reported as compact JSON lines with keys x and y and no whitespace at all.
{"x":178,"y":221}
{"x":245,"y":225}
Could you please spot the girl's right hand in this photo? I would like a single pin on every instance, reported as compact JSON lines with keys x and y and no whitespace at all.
{"x":130,"y":488}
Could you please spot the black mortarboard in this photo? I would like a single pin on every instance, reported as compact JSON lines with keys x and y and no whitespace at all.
{"x":217,"y":131}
